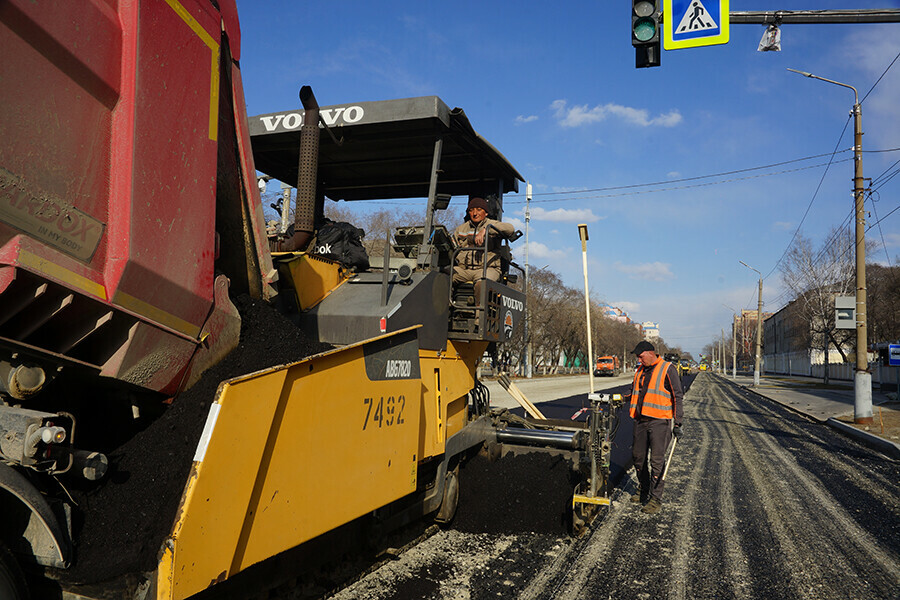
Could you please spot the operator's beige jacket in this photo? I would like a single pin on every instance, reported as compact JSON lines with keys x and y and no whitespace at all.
{"x":464,"y":236}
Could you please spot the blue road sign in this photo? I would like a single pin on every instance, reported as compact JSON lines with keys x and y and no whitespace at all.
{"x":894,"y":355}
{"x":693,"y":23}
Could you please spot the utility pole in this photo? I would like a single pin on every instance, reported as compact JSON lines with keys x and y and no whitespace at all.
{"x":733,"y":342}
{"x":285,"y":207}
{"x":733,"y":349}
{"x":722,"y":346}
{"x":759,"y":319}
{"x":529,"y":357}
{"x":862,"y":381}
{"x":758,"y":327}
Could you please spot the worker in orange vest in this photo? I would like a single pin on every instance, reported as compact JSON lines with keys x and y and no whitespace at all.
{"x":656,"y":403}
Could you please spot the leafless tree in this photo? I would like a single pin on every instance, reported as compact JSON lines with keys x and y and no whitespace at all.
{"x":883,"y":303}
{"x":817,"y":277}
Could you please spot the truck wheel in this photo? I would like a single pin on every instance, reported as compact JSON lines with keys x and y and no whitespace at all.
{"x":12,"y":581}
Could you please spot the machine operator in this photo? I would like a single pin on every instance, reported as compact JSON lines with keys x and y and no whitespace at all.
{"x":471,"y":234}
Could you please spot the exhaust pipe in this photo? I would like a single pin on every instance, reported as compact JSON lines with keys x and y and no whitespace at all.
{"x":307,"y":175}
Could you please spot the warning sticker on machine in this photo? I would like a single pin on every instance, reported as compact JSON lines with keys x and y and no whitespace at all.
{"x":47,"y":219}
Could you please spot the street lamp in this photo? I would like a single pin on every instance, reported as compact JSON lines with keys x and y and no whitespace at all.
{"x":758,"y":327}
{"x":862,"y":406}
{"x":733,"y":342}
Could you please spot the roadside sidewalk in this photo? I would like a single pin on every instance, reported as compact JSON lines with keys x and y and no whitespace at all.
{"x":832,"y":404}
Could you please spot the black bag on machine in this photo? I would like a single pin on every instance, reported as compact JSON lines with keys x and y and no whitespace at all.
{"x":342,"y":242}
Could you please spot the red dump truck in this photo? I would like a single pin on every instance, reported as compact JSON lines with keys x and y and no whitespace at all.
{"x":179,"y":402}
{"x":607,"y":366}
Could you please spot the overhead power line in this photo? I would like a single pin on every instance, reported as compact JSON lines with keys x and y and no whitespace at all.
{"x":680,"y":187}
{"x":683,"y":179}
{"x":568,"y":194}
{"x":880,"y":78}
{"x":811,"y":200}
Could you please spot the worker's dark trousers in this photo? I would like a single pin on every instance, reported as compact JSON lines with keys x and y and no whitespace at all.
{"x":652,"y":434}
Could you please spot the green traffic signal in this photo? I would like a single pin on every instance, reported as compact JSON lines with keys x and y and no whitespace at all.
{"x":644,"y":29}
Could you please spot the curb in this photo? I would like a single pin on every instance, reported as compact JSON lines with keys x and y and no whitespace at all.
{"x":886,"y":447}
{"x":793,"y":409}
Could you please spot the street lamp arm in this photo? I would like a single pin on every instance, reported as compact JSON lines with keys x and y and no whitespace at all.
{"x":805,"y":74}
{"x":749,"y":267}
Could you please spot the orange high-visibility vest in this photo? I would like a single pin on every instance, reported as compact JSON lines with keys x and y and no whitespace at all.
{"x":659,"y":402}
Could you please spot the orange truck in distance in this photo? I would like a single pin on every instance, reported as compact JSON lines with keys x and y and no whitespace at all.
{"x":607,"y":365}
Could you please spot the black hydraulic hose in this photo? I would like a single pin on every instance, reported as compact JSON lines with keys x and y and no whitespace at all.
{"x":481,"y":398}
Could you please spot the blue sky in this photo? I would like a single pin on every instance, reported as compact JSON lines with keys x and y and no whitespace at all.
{"x":553,"y":87}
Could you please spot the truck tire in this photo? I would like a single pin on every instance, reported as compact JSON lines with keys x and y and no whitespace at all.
{"x":12,"y":581}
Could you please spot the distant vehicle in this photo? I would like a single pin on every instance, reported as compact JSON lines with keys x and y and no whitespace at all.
{"x":684,"y":368}
{"x":607,"y":365}
{"x":703,"y":367}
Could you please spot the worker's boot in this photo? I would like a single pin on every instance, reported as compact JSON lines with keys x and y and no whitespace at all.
{"x":653,"y":506}
{"x":640,"y":498}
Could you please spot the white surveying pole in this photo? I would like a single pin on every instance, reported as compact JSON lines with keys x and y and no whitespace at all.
{"x":529,"y":357}
{"x":583,"y":234}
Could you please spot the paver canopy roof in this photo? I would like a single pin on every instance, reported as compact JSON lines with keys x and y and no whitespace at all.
{"x":386,"y":152}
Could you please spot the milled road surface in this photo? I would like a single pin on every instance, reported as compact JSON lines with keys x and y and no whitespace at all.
{"x":760,"y":503}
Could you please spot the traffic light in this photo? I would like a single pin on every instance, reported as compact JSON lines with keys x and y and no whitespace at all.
{"x":645,"y":18}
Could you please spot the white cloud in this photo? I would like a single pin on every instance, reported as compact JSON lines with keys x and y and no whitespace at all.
{"x":517,"y":223}
{"x":522,"y":119}
{"x":539,"y":250}
{"x":892,"y":240}
{"x":565,"y":215}
{"x":673,"y":175}
{"x":782,"y":225}
{"x":655,"y":271}
{"x":627,"y":306}
{"x":869,"y":49}
{"x":577,"y":116}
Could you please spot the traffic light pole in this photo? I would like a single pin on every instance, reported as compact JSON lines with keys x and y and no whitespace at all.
{"x":813,"y":17}
{"x":647,"y":18}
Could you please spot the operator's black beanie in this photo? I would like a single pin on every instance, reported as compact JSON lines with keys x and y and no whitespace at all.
{"x":478,"y":202}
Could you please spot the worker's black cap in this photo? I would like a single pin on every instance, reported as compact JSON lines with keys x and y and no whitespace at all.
{"x":643,"y":347}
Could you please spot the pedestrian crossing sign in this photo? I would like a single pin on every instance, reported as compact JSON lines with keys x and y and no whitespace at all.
{"x":692,"y":23}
